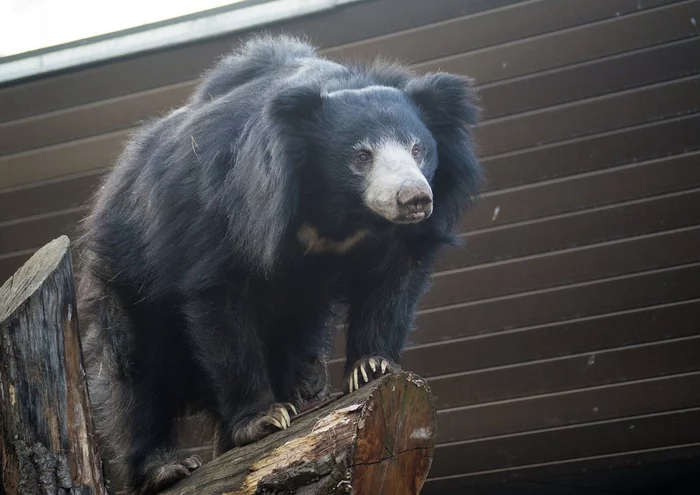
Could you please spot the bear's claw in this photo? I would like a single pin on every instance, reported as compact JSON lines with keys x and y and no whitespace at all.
{"x":193,"y":462}
{"x":367,"y":369}
{"x":278,"y":415}
{"x":276,"y":418}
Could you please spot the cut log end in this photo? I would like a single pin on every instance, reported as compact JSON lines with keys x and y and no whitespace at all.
{"x":395,"y":438}
{"x":30,"y":277}
{"x":378,"y":440}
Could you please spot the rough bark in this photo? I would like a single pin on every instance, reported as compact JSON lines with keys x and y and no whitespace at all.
{"x":376,"y":441}
{"x":46,"y":430}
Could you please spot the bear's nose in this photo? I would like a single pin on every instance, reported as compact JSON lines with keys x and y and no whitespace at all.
{"x":414,"y":195}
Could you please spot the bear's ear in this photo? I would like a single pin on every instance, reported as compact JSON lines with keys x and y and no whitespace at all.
{"x":448,"y":106}
{"x":445,"y":100}
{"x":295,"y":104}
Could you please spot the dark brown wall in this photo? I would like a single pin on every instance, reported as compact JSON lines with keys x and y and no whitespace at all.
{"x":566,"y":335}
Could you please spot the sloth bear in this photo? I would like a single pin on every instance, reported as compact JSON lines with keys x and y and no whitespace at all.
{"x":219,"y":246}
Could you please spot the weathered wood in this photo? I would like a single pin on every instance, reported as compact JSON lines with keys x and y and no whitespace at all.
{"x":376,"y":441}
{"x":46,"y":430}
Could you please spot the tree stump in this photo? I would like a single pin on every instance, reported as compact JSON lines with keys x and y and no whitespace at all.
{"x":377,"y":441}
{"x":46,"y":429}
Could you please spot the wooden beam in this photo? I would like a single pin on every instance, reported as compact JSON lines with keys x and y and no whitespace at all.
{"x":46,"y":430}
{"x":377,"y":441}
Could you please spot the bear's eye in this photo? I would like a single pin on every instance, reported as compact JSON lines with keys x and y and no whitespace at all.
{"x":415,"y":151}
{"x":363,"y":157}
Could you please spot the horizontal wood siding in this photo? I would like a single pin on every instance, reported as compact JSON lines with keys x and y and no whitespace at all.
{"x":563,"y":336}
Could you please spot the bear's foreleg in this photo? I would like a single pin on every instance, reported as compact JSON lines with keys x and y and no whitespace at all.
{"x":298,"y":355}
{"x":227,"y":344}
{"x":381,"y":315}
{"x":313,"y":382}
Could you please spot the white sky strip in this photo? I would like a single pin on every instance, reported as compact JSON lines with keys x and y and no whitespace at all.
{"x":216,"y":24}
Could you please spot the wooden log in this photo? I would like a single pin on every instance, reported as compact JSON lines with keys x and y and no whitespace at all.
{"x":378,"y":440}
{"x":46,"y":430}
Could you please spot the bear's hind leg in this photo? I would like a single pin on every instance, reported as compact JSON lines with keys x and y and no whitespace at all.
{"x":152,"y":461}
{"x":133,"y":405}
{"x":163,"y":469}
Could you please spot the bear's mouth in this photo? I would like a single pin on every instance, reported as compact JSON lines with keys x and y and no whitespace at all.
{"x":404,"y":213}
{"x":413,"y":216}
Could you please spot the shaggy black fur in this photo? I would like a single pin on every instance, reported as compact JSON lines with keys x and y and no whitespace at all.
{"x":196,"y":291}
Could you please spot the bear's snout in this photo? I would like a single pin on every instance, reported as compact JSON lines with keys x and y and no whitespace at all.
{"x":415,"y":200}
{"x":396,"y":187}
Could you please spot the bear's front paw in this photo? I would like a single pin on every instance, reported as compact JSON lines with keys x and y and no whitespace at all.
{"x":277,"y":417}
{"x":367,"y":369}
{"x":164,"y":473}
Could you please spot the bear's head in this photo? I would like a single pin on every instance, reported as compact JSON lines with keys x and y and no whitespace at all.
{"x":397,"y":153}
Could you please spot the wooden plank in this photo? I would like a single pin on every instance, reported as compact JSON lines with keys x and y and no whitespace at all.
{"x":546,"y":487}
{"x":588,"y":334}
{"x":48,"y":196}
{"x":569,"y":408}
{"x":16,"y":236}
{"x":662,"y":430}
{"x":567,"y":373}
{"x":575,"y":45}
{"x":548,"y":307}
{"x":642,"y":142}
{"x":90,"y":120}
{"x":491,"y":27}
{"x":10,"y":264}
{"x":580,"y":264}
{"x":566,"y":231}
{"x":550,"y":340}
{"x":593,"y":78}
{"x":591,"y":116}
{"x":456,"y":484}
{"x":660,"y":476}
{"x":558,"y":304}
{"x":343,"y":25}
{"x":85,"y":155}
{"x":588,"y":190}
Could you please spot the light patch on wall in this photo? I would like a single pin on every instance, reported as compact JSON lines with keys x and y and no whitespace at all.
{"x":27,"y":25}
